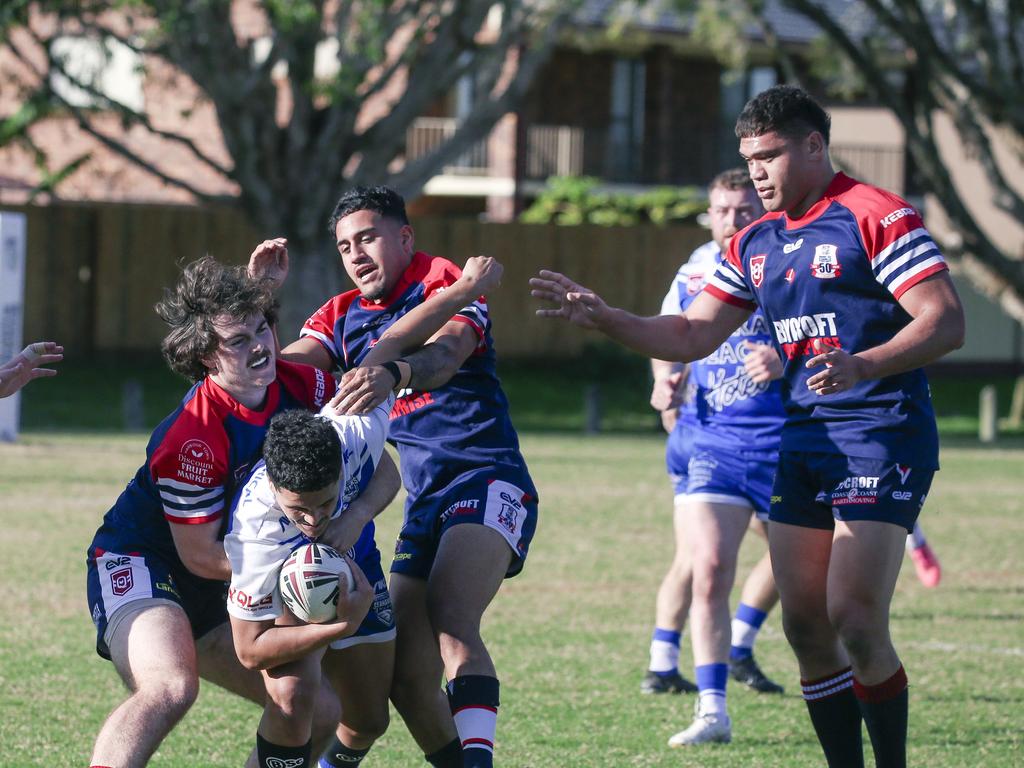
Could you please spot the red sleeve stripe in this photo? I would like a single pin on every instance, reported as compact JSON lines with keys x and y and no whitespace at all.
{"x":729,"y":298}
{"x":911,"y":278}
{"x":326,"y":342}
{"x":197,"y":520}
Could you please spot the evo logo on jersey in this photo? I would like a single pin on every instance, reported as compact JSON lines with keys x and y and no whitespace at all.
{"x":825,"y":265}
{"x":790,"y":247}
{"x":806,"y":334}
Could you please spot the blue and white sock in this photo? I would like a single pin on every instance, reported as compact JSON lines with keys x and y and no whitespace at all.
{"x":745,"y":626}
{"x":711,"y":679}
{"x":664,"y":651}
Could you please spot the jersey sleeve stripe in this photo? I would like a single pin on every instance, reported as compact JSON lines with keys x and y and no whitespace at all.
{"x":472,"y":323}
{"x":324,"y":340}
{"x":186,"y":489}
{"x":730,"y":282}
{"x":728,"y":298}
{"x":191,"y":505}
{"x":897,"y":246}
{"x":906,"y":258}
{"x":206,"y":516}
{"x":187,"y":501}
{"x":912,"y":277}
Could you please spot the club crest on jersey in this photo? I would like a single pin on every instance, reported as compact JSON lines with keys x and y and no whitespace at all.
{"x":694,"y":283}
{"x":825,"y":265}
{"x":757,"y":268}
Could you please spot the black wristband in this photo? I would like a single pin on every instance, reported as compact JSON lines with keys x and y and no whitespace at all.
{"x":392,"y":367}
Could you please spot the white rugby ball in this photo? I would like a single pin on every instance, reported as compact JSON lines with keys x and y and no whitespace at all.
{"x":309,"y":582}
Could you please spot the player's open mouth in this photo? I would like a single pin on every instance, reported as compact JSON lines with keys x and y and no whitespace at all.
{"x":260,"y":362}
{"x":363,"y":272}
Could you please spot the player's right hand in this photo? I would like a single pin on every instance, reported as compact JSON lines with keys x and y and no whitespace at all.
{"x":763,"y":363}
{"x":666,"y":394}
{"x":482,"y":274}
{"x":354,"y":601}
{"x":579,"y":305}
{"x":269,"y":261}
{"x":361,"y":390}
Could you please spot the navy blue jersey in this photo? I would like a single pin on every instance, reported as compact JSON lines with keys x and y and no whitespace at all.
{"x":197,"y":457}
{"x":731,"y":409}
{"x":441,"y":434}
{"x":832,"y":279}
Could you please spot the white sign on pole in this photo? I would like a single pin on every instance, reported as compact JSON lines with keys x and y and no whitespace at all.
{"x":12,"y":306}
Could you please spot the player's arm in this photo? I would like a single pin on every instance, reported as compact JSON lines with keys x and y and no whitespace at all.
{"x":438,"y":353}
{"x":201,"y":550}
{"x":264,"y":644}
{"x":695,"y":334}
{"x":344,"y":530}
{"x":309,"y":351}
{"x":936,"y":328}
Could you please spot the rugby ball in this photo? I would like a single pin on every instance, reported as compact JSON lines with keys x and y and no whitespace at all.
{"x":309,"y":582}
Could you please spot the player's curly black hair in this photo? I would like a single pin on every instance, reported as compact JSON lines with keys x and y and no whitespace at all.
{"x":205,"y":291}
{"x":382,"y":200}
{"x":784,"y":109}
{"x":302,"y":452}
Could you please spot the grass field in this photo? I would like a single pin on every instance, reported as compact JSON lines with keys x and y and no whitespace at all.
{"x":569,"y":636}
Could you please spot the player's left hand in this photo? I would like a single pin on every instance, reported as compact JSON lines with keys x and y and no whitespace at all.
{"x":269,"y":261}
{"x":361,"y":390}
{"x":842,"y":371}
{"x":762,"y":364}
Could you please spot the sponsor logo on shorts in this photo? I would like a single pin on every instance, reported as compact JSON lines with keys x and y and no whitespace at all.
{"x":115,"y":562}
{"x":121,"y":582}
{"x":825,"y":265}
{"x":382,"y":603}
{"x":167,"y":587}
{"x":856,"y":489}
{"x":97,"y":614}
{"x":459,"y":508}
{"x":858,"y":481}
{"x":248,"y":602}
{"x":902,"y":495}
{"x":402,"y":556}
{"x":904,"y":473}
{"x":776,"y":500}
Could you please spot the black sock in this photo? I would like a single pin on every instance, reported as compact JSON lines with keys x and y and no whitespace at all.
{"x":474,"y":703}
{"x":448,"y":756}
{"x":885,"y":707}
{"x":273,"y":755}
{"x":337,"y":755}
{"x":836,"y":718}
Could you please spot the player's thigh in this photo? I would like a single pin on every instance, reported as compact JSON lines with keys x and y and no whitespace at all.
{"x":715,"y":532}
{"x":800,"y":558}
{"x":472,"y":561}
{"x":865,"y":563}
{"x":151,"y":645}
{"x":361,"y":675}
{"x":219,"y":664}
{"x":416,"y":652}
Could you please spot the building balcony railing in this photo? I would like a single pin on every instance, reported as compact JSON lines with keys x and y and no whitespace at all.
{"x":883,"y":166}
{"x":428,"y":133}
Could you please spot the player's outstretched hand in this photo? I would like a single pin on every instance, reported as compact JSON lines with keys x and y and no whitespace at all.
{"x":842,"y":371}
{"x":361,"y":390}
{"x":482,"y":274}
{"x":579,"y":305}
{"x":354,"y":604}
{"x":763,"y":363}
{"x":666,"y":394}
{"x":270,"y":261}
{"x":23,"y":367}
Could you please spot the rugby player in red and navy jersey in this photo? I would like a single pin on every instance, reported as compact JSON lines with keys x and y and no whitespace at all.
{"x":858,"y":299}
{"x":471,"y":507}
{"x":157,"y":570}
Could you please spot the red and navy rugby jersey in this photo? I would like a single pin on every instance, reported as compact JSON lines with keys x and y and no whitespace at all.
{"x":832,"y":279}
{"x":197,"y":457}
{"x":461,"y":426}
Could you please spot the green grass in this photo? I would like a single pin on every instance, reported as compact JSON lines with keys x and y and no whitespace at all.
{"x":569,"y":636}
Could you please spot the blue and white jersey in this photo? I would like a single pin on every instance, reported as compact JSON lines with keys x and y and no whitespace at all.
{"x":460,"y":427}
{"x":832,"y":279}
{"x":730,"y":409}
{"x":261,"y":536}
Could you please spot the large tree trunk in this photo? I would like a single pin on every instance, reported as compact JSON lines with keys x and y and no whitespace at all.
{"x":315,"y":275}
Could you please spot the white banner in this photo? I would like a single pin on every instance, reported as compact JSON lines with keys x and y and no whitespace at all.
{"x":12,"y":306}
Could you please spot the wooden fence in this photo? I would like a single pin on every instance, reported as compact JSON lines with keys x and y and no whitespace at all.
{"x":94,"y":272}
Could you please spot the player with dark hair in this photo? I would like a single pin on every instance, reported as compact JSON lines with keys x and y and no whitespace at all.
{"x":313,"y":469}
{"x":157,"y":571}
{"x":858,"y":298}
{"x":721,"y":454}
{"x":471,"y":507}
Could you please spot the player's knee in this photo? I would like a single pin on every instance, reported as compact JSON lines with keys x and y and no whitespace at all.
{"x":712,"y":577}
{"x":292,"y":698}
{"x":807,"y":633}
{"x":367,"y":725}
{"x":174,"y":693}
{"x":860,"y":628}
{"x":326,"y":714}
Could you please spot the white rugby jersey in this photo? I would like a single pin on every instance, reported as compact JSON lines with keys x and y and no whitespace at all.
{"x":261,"y":536}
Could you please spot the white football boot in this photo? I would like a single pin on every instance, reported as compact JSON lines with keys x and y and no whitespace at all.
{"x":706,"y":728}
